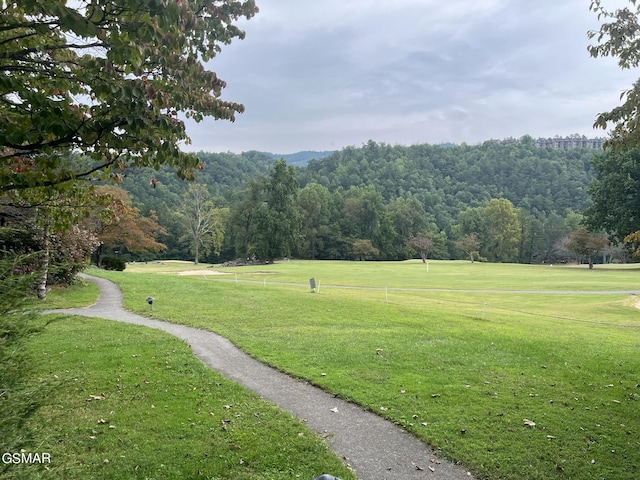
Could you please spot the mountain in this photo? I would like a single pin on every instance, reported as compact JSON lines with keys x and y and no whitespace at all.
{"x":299,"y":159}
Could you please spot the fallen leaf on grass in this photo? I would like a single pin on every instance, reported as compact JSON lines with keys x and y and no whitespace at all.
{"x":102,"y":421}
{"x":529,"y":423}
{"x":95,"y":397}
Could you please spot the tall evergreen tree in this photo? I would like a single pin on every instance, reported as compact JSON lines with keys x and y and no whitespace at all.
{"x":279,"y":222}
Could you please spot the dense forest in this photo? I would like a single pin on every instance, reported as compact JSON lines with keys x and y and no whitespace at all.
{"x":494,"y":201}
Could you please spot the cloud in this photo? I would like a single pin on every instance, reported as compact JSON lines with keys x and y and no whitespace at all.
{"x":326,"y":74}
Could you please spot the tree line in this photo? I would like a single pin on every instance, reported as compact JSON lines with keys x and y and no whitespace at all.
{"x":515,"y":202}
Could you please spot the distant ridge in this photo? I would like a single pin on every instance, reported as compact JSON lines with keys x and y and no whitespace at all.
{"x":299,"y":158}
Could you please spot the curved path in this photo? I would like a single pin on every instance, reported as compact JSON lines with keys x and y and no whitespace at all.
{"x":375,"y":448}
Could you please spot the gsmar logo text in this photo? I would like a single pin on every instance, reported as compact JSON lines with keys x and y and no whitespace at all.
{"x":24,"y":457}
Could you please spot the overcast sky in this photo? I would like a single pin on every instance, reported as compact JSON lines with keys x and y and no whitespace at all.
{"x":324,"y":74}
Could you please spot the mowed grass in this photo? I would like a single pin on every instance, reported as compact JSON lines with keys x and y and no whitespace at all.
{"x":468,"y":372}
{"x":126,"y":402}
{"x":457,"y":275}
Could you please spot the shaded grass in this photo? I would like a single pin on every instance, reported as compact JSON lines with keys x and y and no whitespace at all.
{"x":81,"y":293}
{"x":131,"y":402}
{"x":462,"y":379}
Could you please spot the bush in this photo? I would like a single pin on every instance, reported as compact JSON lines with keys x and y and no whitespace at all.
{"x":17,"y":399}
{"x":70,"y":252}
{"x":113,"y":263}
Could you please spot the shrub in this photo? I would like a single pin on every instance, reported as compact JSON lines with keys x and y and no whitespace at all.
{"x":17,"y":400}
{"x":113,"y":263}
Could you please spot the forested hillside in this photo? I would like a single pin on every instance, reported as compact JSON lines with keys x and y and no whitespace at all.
{"x":448,"y":179}
{"x":503,"y":202}
{"x":223,"y":173}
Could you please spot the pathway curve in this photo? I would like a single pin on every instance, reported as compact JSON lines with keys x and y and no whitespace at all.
{"x":375,"y":448}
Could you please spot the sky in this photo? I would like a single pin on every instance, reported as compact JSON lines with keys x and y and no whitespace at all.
{"x":326,"y":74}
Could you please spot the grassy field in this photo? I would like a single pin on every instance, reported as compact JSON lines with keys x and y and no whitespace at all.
{"x":513,"y":384}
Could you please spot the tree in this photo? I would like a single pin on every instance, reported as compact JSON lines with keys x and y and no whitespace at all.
{"x":531,"y":236}
{"x":244,"y":216}
{"x":422,"y":243}
{"x":408,"y":217}
{"x":363,"y":248}
{"x":108,"y":78}
{"x":203,"y":222}
{"x":313,"y":204}
{"x":503,"y":230}
{"x":619,"y":38}
{"x":51,"y":211}
{"x":616,"y":194}
{"x":554,"y":229}
{"x":585,"y":244}
{"x":278,"y":232}
{"x":470,"y":245}
{"x":119,"y":225}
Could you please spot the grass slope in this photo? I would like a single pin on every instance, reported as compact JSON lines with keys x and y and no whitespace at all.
{"x":469,"y":372}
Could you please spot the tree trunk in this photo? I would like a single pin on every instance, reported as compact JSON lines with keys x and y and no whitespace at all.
{"x":44,"y":265}
{"x":99,"y":252}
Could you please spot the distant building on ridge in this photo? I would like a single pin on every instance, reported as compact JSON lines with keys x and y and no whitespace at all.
{"x":561,"y":143}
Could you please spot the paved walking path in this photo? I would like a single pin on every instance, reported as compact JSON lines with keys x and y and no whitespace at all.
{"x":375,"y":448}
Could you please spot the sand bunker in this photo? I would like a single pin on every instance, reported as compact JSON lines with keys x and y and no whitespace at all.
{"x":203,"y":272}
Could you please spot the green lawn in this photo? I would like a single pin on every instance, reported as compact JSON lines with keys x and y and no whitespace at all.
{"x":127,"y":402}
{"x":468,"y":372}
